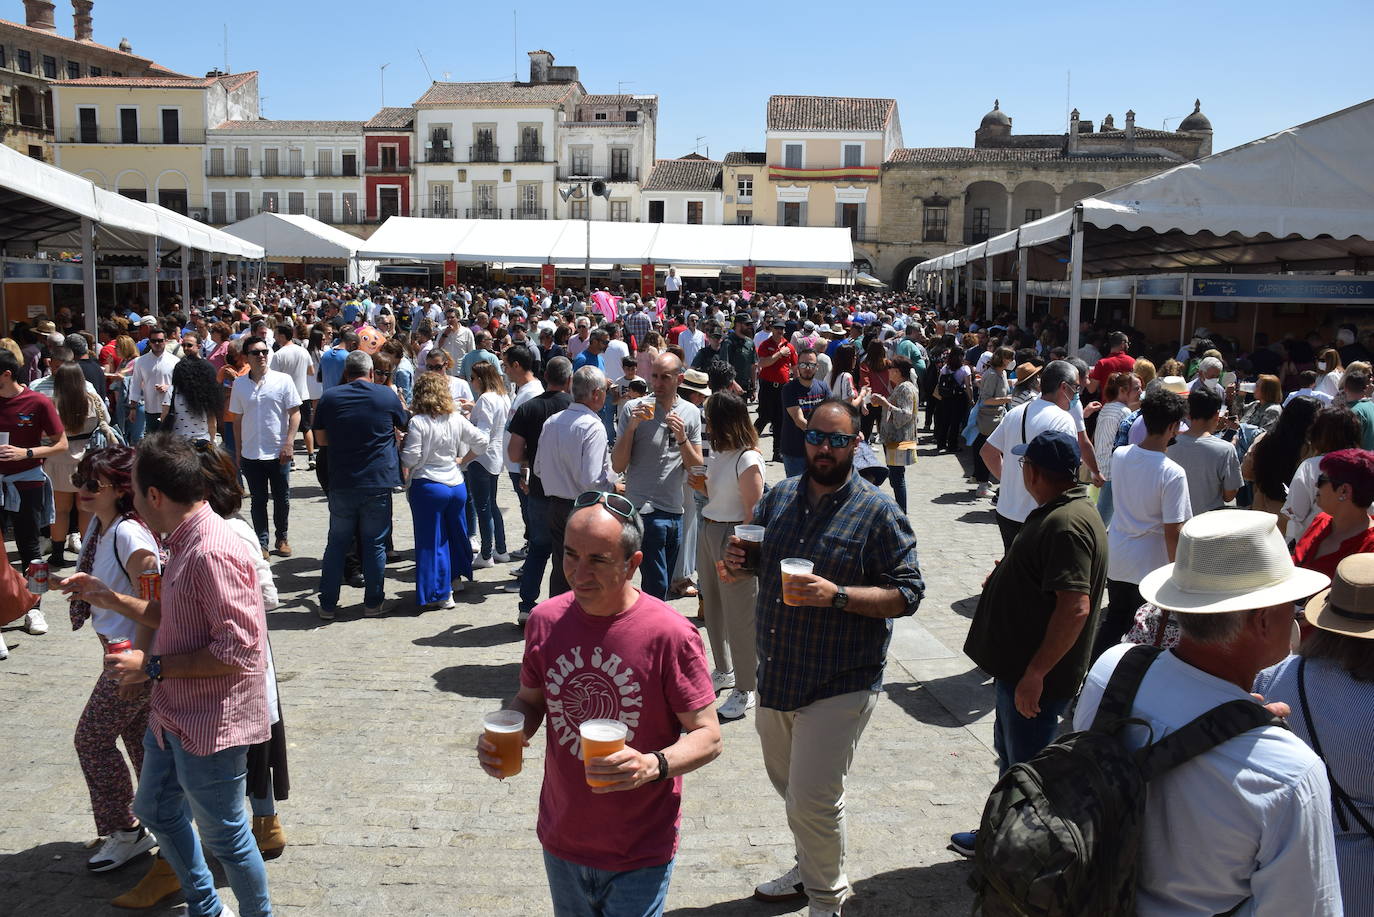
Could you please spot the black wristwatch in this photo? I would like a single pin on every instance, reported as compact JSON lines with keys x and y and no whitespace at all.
{"x":662,"y":767}
{"x":30,"y":453}
{"x":153,"y":668}
{"x":841,"y":599}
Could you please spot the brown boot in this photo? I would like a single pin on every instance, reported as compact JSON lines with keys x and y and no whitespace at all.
{"x":159,"y":884}
{"x":271,"y":838}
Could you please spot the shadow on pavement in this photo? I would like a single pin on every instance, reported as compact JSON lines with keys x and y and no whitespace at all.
{"x":965,"y":607}
{"x":466,"y":635}
{"x":495,"y":681}
{"x":979,"y":516}
{"x":961,"y":496}
{"x":742,"y":907}
{"x":951,"y":701}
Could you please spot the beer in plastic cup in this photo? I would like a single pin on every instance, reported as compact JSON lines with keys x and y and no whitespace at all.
{"x":698,"y":475}
{"x":506,"y":730}
{"x":645,"y":409}
{"x":599,"y":739}
{"x":751,"y":540}
{"x":793,"y":567}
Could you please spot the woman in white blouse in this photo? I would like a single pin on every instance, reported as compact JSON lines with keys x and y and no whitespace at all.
{"x":436,"y":440}
{"x":1122,"y":397}
{"x":489,"y":415}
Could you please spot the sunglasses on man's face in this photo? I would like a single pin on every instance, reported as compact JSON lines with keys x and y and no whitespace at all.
{"x":835,"y":440}
{"x":157,"y":342}
{"x":257,"y":353}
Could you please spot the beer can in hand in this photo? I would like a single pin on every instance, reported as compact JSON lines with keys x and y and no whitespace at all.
{"x":38,"y":576}
{"x":150,"y":586}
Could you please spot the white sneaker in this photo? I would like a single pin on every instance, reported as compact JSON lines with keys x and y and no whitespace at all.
{"x":35,"y":623}
{"x":722,"y":681}
{"x":816,"y":910}
{"x":736,"y":705}
{"x":786,"y":887}
{"x":501,"y":558}
{"x":74,"y":543}
{"x":121,"y":847}
{"x":512,"y":586}
{"x":448,"y":603}
{"x":4,"y":650}
{"x":984,"y":491}
{"x":481,"y":563}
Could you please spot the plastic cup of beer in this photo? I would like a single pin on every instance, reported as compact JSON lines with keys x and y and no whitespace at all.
{"x":645,"y":409}
{"x":793,"y":567}
{"x":751,"y":540}
{"x":697,"y":473}
{"x":506,"y":730}
{"x":599,"y":739}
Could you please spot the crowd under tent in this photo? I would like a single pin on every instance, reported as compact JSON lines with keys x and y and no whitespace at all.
{"x":297,"y":238}
{"x":1261,"y":222}
{"x":44,"y":208}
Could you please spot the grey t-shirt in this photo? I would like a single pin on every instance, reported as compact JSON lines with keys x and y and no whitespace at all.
{"x":655,"y":474}
{"x":1212,"y":467}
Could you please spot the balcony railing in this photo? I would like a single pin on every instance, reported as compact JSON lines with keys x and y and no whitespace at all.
{"x":283,"y":169}
{"x":149,"y":137}
{"x":529,"y":153}
{"x":483,"y":152}
{"x":529,"y":213}
{"x":438,"y":154}
{"x":221,"y":169}
{"x":441,"y":213}
{"x":389,"y":167}
{"x":629,"y":174}
{"x":482,"y":213}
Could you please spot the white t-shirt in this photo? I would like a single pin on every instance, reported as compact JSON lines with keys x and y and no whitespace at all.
{"x":1149,"y":491}
{"x":262,"y":409}
{"x":524,"y":393}
{"x":723,"y":471}
{"x":119,"y":544}
{"x":1301,"y":506}
{"x":294,"y":360}
{"x":1014,"y":502}
{"x":616,"y":351}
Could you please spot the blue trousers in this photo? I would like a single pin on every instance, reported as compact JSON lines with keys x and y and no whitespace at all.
{"x":662,"y":536}
{"x":482,"y":490}
{"x":793,"y":465}
{"x":541,"y":546}
{"x":263,"y":475}
{"x":442,"y":550}
{"x":176,"y":785}
{"x":364,"y":514}
{"x":1015,"y":738}
{"x":522,"y":500}
{"x":581,"y":891}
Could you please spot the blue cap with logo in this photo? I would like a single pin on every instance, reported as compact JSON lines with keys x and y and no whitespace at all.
{"x":1053,"y":450}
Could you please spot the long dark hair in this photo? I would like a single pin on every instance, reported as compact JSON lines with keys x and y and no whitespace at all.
{"x":841,"y":362}
{"x":69,"y":393}
{"x":1277,"y":455}
{"x":727,"y":420}
{"x":222,"y":489}
{"x":194,"y":381}
{"x":114,"y":464}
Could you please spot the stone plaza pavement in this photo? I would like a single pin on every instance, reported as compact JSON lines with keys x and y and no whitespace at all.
{"x":389,"y":813}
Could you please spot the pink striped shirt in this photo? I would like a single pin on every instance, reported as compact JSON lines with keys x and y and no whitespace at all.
{"x":211,"y":600}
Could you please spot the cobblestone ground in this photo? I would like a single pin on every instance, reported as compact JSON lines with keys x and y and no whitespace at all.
{"x":389,"y":813}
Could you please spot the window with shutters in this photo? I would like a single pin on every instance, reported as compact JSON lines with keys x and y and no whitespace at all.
{"x":655,"y":211}
{"x":243,"y":205}
{"x":271,"y":202}
{"x":241,"y":161}
{"x":350,"y":207}
{"x":791,"y":213}
{"x":217,"y":162}
{"x":324,"y":206}
{"x":581,"y":160}
{"x":792,"y":155}
{"x":324,"y":162}
{"x":620,"y":164}
{"x":219,"y":207}
{"x":620,"y":211}
{"x":694,"y":212}
{"x":853,"y":155}
{"x":295,"y":202}
{"x":271,"y":162}
{"x":934,"y":223}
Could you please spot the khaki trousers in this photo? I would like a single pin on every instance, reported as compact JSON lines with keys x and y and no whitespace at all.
{"x":807,"y":753}
{"x":728,"y":608}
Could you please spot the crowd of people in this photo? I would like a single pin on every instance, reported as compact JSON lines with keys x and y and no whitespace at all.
{"x":1186,"y":500}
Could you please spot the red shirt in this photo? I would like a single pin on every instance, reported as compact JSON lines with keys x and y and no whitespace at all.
{"x":781,"y":371}
{"x":27,"y":418}
{"x":1304,"y":553}
{"x":211,"y":600}
{"x":1106,"y":367}
{"x":643,"y":667}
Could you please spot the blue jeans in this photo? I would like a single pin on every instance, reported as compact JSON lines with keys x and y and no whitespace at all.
{"x":482,"y":492}
{"x":608,"y":421}
{"x":176,"y":785}
{"x":262,"y":475}
{"x":662,"y":533}
{"x":1015,"y":738}
{"x":133,"y":429}
{"x":523,"y":501}
{"x":1104,"y":504}
{"x":896,"y":476}
{"x":443,"y":552}
{"x":541,"y":546}
{"x":364,"y":514}
{"x":581,"y":891}
{"x":793,"y":465}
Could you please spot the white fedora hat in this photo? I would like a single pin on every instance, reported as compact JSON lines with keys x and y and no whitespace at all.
{"x":1230,"y":560}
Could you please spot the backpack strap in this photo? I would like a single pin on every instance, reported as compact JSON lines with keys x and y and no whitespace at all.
{"x":1340,"y":799}
{"x":1218,"y":725}
{"x":1119,"y":696}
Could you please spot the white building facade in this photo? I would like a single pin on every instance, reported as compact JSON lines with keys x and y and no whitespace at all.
{"x":686,"y":190}
{"x":611,"y":137}
{"x":299,"y":167}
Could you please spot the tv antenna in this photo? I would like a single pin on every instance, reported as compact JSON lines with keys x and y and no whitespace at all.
{"x":425,"y":65}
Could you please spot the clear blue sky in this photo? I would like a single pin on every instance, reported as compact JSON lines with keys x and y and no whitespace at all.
{"x":1258,"y":66}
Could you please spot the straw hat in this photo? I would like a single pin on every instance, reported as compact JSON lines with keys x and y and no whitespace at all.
{"x":694,"y":380}
{"x":1348,"y":606}
{"x":1176,"y":384}
{"x":1230,"y":560}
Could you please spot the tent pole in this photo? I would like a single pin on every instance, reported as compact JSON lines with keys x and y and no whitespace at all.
{"x":186,"y":255}
{"x":968,"y":291}
{"x":589,"y":251}
{"x":88,"y":273}
{"x":1021,"y":316}
{"x":1135,"y":282}
{"x":954,"y":289}
{"x":987,"y":273}
{"x":1183,"y":315}
{"x":1254,"y":328}
{"x":152,"y":275}
{"x":1076,"y":281}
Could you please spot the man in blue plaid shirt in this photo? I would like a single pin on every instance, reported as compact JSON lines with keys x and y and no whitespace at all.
{"x":821,"y":662}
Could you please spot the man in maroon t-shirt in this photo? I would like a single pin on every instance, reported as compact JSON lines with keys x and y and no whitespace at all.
{"x":1118,"y":361}
{"x":25,"y":418}
{"x":606,"y":650}
{"x":776,"y":359}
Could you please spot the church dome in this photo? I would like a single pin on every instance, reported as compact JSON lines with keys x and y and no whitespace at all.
{"x":1197,"y":121}
{"x":996,"y":117}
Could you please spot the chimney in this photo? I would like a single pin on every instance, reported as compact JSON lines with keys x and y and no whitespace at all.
{"x":1073,"y":131}
{"x":81,"y":16}
{"x":38,"y":15}
{"x":541,"y":63}
{"x":1130,"y":131}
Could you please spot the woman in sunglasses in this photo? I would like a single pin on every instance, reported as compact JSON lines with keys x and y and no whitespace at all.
{"x":117,"y":548}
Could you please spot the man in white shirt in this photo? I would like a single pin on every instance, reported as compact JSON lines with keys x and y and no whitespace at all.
{"x":573,"y":458}
{"x":1150,"y":503}
{"x":672,"y":289}
{"x":691,"y":339}
{"x":616,"y":348}
{"x":578,"y":342}
{"x":151,"y":378}
{"x":266,"y":411}
{"x":519,"y":361}
{"x":293,"y":359}
{"x":1058,"y":386}
{"x":1244,"y":828}
{"x":456,"y":339}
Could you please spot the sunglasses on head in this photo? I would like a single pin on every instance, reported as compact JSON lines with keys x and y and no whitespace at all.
{"x":614,"y":502}
{"x":836,"y":440}
{"x":90,"y":485}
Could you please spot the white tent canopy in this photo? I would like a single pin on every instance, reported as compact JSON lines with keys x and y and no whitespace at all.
{"x":564,"y":242}
{"x":296,"y":237}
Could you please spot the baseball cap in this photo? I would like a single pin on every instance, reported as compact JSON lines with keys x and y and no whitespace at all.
{"x":1053,"y":450}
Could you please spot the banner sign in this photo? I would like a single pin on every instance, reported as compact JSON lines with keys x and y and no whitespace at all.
{"x":749,"y":281}
{"x":450,"y":273}
{"x":546,"y":277}
{"x":26,"y":270}
{"x":1282,"y":288}
{"x":647,"y":283}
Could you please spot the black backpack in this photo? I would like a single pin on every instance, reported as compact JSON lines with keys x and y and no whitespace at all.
{"x":949,"y":385}
{"x":1060,"y":834}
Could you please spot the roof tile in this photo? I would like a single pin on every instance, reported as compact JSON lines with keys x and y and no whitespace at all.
{"x":231,"y":81}
{"x":960,"y":155}
{"x":496,"y":93}
{"x":746,"y":159}
{"x":264,"y":125}
{"x":685,"y":174}
{"x":393,"y":118}
{"x":828,"y":113}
